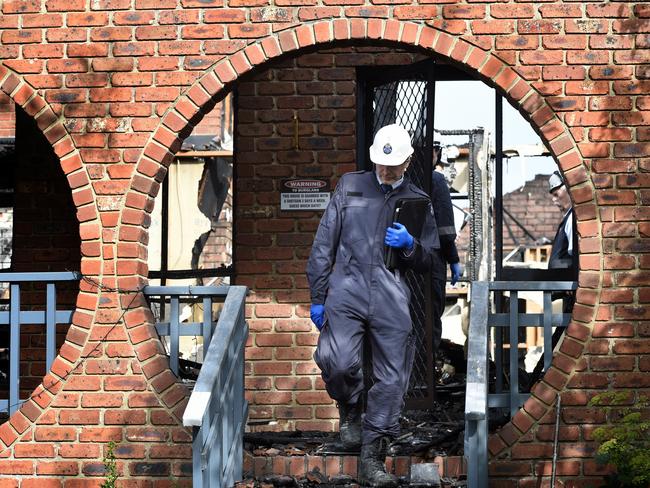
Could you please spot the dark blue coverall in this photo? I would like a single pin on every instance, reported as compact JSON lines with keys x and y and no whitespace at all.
{"x":346,"y":273}
{"x":448,"y":254}
{"x":561,"y":258}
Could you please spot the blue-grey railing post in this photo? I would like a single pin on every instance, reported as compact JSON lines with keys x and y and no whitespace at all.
{"x":498,"y":346}
{"x":240,"y":407}
{"x":50,"y":325}
{"x":198,"y":464}
{"x":14,"y":348}
{"x":227,"y":418}
{"x":514,"y":352}
{"x":476,"y":387}
{"x":498,"y":359}
{"x":207,"y":319}
{"x":174,"y":333}
{"x":548,"y":329}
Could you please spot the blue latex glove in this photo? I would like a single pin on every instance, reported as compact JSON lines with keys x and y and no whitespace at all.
{"x":397,"y":236}
{"x":317,"y":314}
{"x":455,"y":272}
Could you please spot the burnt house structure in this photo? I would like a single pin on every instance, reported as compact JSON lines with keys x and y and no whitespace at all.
{"x":106,"y":91}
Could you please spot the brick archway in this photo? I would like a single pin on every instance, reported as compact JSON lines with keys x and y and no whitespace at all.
{"x":87,"y":216}
{"x":199,"y":99}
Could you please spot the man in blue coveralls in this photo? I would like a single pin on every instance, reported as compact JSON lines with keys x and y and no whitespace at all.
{"x":564,"y":255}
{"x":353,"y":293}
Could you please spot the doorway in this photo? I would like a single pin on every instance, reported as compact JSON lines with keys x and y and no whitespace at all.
{"x":497,"y":170}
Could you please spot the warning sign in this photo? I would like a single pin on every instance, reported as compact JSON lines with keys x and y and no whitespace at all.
{"x":304,"y":194}
{"x":304,"y":201}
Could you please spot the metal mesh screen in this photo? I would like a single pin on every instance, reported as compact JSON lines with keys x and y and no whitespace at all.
{"x":405,"y":102}
{"x":420,"y":383}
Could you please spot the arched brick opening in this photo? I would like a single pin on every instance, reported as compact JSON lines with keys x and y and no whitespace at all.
{"x":199,"y":99}
{"x":87,"y":216}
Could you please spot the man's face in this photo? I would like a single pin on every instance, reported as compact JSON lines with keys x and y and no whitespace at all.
{"x":390,"y":174}
{"x":561,"y":198}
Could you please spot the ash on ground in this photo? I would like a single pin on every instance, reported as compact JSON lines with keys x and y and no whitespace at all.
{"x":424,"y":433}
{"x":317,"y":480}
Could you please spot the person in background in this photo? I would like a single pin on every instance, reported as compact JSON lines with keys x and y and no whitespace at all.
{"x":447,"y":254}
{"x":564,"y":256}
{"x":564,"y":252}
{"x":354,"y":295}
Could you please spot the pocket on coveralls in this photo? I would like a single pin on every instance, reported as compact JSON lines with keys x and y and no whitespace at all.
{"x":355,"y":215}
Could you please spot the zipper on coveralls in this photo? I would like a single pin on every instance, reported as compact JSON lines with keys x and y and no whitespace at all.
{"x":396,"y":273}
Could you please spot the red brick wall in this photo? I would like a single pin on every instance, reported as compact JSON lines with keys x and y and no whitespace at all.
{"x":7,"y":116}
{"x":114,"y":84}
{"x":219,"y":120}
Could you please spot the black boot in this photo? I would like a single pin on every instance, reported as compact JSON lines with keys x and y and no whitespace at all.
{"x":372,"y":471}
{"x":350,"y":425}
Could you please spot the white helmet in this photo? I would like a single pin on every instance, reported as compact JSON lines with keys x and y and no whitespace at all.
{"x":392,"y":146}
{"x":555,"y":181}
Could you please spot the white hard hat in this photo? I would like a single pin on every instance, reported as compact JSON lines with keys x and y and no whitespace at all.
{"x":555,"y":181}
{"x":392,"y":146}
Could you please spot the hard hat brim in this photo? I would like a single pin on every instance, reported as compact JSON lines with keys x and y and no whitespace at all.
{"x":395,"y":158}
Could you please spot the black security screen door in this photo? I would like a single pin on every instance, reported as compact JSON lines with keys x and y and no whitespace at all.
{"x":404,"y":95}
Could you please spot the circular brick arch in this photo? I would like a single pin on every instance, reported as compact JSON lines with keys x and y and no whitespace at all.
{"x":51,"y":125}
{"x":177,"y":124}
